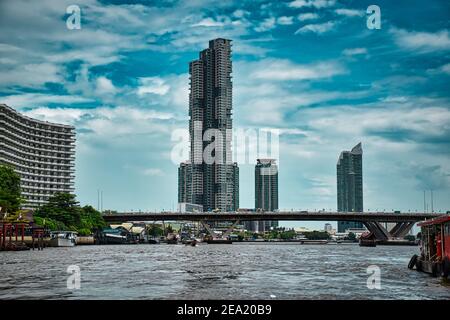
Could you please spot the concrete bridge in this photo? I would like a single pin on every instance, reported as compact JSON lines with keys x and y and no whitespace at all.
{"x":372,"y":220}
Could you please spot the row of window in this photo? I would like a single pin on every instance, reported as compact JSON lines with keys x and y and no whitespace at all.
{"x":29,"y":124}
{"x":35,"y":142}
{"x":41,"y":149}
{"x":44,"y":134}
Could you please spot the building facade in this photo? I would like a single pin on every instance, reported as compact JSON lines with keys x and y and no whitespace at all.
{"x":42,"y":153}
{"x":266,"y":191}
{"x":350,"y":186}
{"x":214,"y":184}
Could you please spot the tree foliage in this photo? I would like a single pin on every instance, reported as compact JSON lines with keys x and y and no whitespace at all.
{"x":351,"y":236}
{"x":155,"y":231}
{"x":10,"y":193}
{"x":63,"y":212}
{"x":317,"y":235}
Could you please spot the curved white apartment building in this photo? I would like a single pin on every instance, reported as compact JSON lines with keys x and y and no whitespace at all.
{"x":42,"y":153}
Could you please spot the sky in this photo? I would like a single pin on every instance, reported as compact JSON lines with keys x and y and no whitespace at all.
{"x":311,"y":69}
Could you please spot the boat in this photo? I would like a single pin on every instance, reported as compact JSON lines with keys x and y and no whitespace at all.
{"x":367,"y":239}
{"x":171,"y":239}
{"x":219,"y":241}
{"x":192,"y":242}
{"x":307,"y":241}
{"x":63,"y":239}
{"x":367,"y":242}
{"x":434,"y":256}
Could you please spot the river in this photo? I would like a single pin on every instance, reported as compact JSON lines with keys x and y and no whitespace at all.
{"x":236,"y":271}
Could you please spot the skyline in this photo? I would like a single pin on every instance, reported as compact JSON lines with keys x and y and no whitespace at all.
{"x":315,"y":72}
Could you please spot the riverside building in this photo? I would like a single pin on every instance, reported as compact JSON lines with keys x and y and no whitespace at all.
{"x":350,"y":186}
{"x":42,"y":153}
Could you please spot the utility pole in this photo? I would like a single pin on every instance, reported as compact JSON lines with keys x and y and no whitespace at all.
{"x":432,"y":205}
{"x":424,"y":202}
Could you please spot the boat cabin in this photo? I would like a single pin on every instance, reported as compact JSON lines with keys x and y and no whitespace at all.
{"x":434,"y":255}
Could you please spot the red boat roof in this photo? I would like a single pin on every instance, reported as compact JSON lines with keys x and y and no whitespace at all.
{"x":438,"y":220}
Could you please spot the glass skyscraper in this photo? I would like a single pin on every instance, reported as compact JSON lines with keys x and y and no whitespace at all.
{"x":266,"y":191}
{"x":212,"y":185}
{"x":350,"y":185}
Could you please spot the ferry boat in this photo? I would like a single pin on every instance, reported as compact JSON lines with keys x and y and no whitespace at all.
{"x":63,"y":239}
{"x":434,"y":255}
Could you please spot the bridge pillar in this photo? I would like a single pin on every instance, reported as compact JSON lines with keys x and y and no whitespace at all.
{"x":225,"y":234}
{"x":400,"y":230}
{"x":377,"y":230}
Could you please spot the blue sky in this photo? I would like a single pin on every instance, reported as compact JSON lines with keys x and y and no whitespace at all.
{"x":309,"y":68}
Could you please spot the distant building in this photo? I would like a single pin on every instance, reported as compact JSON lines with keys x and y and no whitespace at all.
{"x":266,"y":190}
{"x":328,"y":228}
{"x":185,"y":182}
{"x":189,"y":207}
{"x":350,"y":186}
{"x":42,"y":153}
{"x":212,"y":185}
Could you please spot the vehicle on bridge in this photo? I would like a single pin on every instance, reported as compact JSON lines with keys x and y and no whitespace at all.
{"x":434,"y":255}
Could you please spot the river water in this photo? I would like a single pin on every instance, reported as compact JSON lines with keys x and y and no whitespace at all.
{"x":236,"y":271}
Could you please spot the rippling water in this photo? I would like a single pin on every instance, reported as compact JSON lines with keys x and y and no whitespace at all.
{"x":237,"y":271}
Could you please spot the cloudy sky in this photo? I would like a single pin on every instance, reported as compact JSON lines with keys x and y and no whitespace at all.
{"x":310,"y":68}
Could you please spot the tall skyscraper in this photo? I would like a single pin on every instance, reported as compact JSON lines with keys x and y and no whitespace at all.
{"x":266,"y":190}
{"x":350,"y":185}
{"x":213,"y":184}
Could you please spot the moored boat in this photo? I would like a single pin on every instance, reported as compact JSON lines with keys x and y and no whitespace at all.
{"x":63,"y":239}
{"x":434,"y":257}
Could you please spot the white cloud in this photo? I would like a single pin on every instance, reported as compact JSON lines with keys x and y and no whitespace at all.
{"x":398,"y":117}
{"x":312,"y":3}
{"x":307,"y":16}
{"x":266,"y":24}
{"x":19,"y":73}
{"x":105,"y":86}
{"x":240,"y":13}
{"x":154,"y":85}
{"x":350,"y":12}
{"x":442,"y":69}
{"x":285,"y":20}
{"x":354,"y":51}
{"x":422,"y":41}
{"x":208,"y":22}
{"x":33,"y":100}
{"x":281,"y":70}
{"x":67,"y":116}
{"x":316,"y":28}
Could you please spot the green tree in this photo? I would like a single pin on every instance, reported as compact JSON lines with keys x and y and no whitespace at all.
{"x":317,"y":235}
{"x":155,"y":231}
{"x":169,"y":229}
{"x":64,"y":208}
{"x":63,"y":212}
{"x":351,"y":236}
{"x":10,"y":193}
{"x":91,"y":218}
